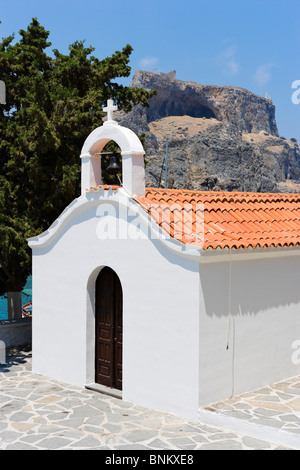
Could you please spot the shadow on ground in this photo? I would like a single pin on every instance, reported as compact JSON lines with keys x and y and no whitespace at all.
{"x":15,"y":356}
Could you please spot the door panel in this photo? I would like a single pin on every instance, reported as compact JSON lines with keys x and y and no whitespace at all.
{"x":109,"y":329}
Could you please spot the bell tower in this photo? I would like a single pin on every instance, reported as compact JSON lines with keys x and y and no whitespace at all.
{"x":132,"y":152}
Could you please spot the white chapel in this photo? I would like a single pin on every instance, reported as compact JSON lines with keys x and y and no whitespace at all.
{"x":171,"y":299}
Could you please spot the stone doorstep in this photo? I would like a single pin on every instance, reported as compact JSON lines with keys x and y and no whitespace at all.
{"x":112,"y":392}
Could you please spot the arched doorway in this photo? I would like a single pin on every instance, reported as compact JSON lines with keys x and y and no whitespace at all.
{"x":109,"y":329}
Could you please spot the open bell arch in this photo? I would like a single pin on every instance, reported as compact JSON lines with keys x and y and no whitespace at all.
{"x":132,"y":151}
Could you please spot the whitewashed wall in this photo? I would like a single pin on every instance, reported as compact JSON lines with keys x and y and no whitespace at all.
{"x":176,"y":307}
{"x":262,"y":328}
{"x":160,"y":310}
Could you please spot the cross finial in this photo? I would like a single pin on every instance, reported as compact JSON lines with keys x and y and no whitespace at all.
{"x":109,"y":109}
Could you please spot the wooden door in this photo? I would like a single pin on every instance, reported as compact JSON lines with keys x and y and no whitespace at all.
{"x":109,"y":329}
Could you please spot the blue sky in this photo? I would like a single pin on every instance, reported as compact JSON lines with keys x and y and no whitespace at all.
{"x":252,"y":44}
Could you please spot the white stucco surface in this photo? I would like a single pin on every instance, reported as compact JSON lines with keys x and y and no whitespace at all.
{"x":257,"y":315}
{"x":160,"y":307}
{"x":133,"y":170}
{"x":197,"y":327}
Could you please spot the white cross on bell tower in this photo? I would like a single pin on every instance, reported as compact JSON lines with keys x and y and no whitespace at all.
{"x":109,"y":109}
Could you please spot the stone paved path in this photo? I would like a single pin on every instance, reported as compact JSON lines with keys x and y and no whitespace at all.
{"x":276,"y":406}
{"x":39,"y":413}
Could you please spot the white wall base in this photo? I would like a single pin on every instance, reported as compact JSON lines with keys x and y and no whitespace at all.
{"x":245,"y":428}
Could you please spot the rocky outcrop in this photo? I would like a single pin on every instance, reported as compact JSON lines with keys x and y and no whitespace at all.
{"x":247,"y":111}
{"x":204,"y":154}
{"x":219,"y":138}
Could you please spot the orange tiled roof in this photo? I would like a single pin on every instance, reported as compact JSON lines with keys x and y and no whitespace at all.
{"x":225,"y":219}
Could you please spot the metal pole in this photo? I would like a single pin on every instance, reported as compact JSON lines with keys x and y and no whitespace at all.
{"x":2,"y":92}
{"x":166,"y":168}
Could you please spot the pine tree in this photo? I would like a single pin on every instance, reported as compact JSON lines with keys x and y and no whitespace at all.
{"x":52,"y":104}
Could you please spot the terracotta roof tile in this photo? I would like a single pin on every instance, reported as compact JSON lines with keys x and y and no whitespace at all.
{"x":222,"y":219}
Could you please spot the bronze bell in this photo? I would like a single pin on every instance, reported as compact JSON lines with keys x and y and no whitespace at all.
{"x":114,"y":164}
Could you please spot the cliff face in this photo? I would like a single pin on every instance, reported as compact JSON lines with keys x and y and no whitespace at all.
{"x":247,"y":111}
{"x":219,"y":138}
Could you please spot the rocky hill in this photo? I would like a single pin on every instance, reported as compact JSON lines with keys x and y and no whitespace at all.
{"x":219,"y":138}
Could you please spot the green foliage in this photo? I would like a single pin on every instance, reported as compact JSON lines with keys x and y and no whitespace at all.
{"x":52,"y":105}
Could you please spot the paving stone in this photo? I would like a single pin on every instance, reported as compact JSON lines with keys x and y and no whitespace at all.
{"x":139,"y":435}
{"x":187,"y":428}
{"x":21,"y":446}
{"x":71,"y":423}
{"x":267,"y":412}
{"x":54,"y":443}
{"x":85,"y":411}
{"x":49,"y":428}
{"x":23,"y":427}
{"x":32,"y":438}
{"x":181,"y":428}
{"x":68,"y":403}
{"x":54,"y":415}
{"x":112,"y":428}
{"x":120,"y":418}
{"x":140,"y":408}
{"x":20,"y":393}
{"x":73,"y":434}
{"x":239,"y":414}
{"x":14,"y":405}
{"x":263,"y":391}
{"x":242,"y":406}
{"x":222,"y":435}
{"x":21,"y":416}
{"x":102,"y":406}
{"x":255,"y":443}
{"x":222,"y":445}
{"x":290,"y":418}
{"x":3,"y":425}
{"x":199,"y":439}
{"x":295,"y":404}
{"x":270,"y":406}
{"x":269,"y":422}
{"x":157,"y":444}
{"x":95,"y":420}
{"x":9,"y":436}
{"x":181,"y":442}
{"x":49,"y":399}
{"x":58,"y":416}
{"x":267,"y":398}
{"x":91,"y":429}
{"x":87,"y":443}
{"x":125,"y":404}
{"x":285,"y":396}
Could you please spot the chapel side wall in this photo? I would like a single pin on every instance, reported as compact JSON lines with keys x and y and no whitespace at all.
{"x":58,"y":325}
{"x":262,"y":328}
{"x":160,"y":314}
{"x":161,"y":341}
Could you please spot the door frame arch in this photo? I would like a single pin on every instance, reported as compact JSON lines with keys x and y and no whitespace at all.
{"x":91,"y":330}
{"x":108,"y":329}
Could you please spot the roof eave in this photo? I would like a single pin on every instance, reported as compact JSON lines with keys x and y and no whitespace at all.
{"x":218,"y":255}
